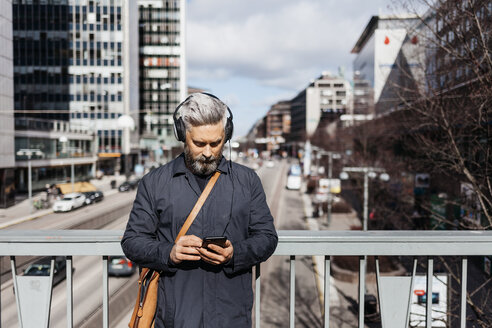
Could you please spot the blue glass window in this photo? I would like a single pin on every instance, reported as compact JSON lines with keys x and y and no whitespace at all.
{"x":99,"y":115}
{"x":106,"y":115}
{"x":79,"y":115}
{"x":86,"y":115}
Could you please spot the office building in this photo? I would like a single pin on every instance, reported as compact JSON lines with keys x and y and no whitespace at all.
{"x":377,"y":65}
{"x":76,"y":61}
{"x":7,"y":160}
{"x":277,"y":125}
{"x":322,"y":102}
{"x":162,"y":74}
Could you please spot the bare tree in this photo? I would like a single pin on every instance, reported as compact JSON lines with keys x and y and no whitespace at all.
{"x":446,"y":95}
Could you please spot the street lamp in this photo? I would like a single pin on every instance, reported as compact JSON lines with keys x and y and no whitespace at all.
{"x":29,"y":153}
{"x":331,"y":156}
{"x":127,"y":123}
{"x":64,"y":141}
{"x":369,"y":172}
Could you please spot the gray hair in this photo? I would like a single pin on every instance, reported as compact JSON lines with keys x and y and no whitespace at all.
{"x":201,"y":109}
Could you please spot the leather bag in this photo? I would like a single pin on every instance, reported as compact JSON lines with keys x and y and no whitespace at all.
{"x":143,"y":315}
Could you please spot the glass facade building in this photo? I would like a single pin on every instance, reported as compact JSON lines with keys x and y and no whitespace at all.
{"x":41,"y":57}
{"x":71,"y":63}
{"x":162,"y":67}
{"x":7,"y":161}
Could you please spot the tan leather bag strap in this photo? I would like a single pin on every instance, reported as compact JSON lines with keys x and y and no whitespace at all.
{"x":198,"y":205}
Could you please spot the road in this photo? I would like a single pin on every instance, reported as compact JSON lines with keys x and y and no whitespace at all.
{"x":288,"y":211}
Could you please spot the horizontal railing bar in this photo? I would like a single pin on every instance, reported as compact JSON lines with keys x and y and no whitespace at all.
{"x":291,"y":242}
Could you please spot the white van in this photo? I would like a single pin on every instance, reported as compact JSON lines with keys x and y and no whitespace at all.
{"x":294,"y":179}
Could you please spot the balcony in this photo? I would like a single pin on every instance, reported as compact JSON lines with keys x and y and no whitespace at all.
{"x":292,"y":243}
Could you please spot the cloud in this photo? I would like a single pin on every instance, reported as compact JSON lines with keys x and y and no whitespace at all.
{"x":281,"y":43}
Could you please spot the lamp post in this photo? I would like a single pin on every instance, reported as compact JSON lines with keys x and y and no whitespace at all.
{"x":29,"y":153}
{"x":369,"y":172}
{"x":331,"y":157}
{"x":64,"y":141}
{"x":127,"y":123}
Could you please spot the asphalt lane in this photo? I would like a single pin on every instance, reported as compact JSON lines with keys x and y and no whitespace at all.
{"x":288,"y":210}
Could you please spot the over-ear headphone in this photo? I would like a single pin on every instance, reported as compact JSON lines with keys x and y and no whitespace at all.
{"x":179,"y":125}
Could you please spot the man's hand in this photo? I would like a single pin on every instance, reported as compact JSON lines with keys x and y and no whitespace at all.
{"x":185,"y":249}
{"x":215,"y":254}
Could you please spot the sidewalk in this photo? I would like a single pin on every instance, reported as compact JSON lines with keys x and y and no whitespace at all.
{"x":23,"y":211}
{"x":339,"y":221}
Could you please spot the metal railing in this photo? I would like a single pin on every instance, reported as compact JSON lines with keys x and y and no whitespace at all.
{"x":292,"y":243}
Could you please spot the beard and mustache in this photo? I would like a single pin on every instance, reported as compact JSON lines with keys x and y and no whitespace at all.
{"x":201,"y":165}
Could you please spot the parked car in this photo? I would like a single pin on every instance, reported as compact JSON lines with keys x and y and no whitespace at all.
{"x":129,"y":185}
{"x":93,"y":197}
{"x":294,"y":179}
{"x":120,"y":266}
{"x":42,"y":267}
{"x":69,"y":202}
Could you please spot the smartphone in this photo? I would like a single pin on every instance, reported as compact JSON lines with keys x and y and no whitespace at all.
{"x":220,"y":241}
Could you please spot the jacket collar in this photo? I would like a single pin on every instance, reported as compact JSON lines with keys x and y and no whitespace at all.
{"x":180,"y":166}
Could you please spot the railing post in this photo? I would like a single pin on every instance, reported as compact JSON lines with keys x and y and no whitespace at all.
{"x":292,"y":306}
{"x":105,"y":293}
{"x":362,"y":289}
{"x":327,"y":292}
{"x":68,"y":267}
{"x":257,"y":296}
{"x":464,"y":280}
{"x":428,"y":297}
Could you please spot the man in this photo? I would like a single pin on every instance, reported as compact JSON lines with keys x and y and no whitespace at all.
{"x":201,"y":286}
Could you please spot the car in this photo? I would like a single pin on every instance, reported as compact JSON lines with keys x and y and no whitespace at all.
{"x":294,"y":179}
{"x":69,"y":202}
{"x":42,"y":267}
{"x":129,"y":185}
{"x":120,"y":266}
{"x":93,"y":197}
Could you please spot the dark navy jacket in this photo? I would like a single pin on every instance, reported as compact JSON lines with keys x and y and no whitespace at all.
{"x":196,"y":294}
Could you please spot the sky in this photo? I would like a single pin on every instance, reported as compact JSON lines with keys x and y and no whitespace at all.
{"x":254,"y":53}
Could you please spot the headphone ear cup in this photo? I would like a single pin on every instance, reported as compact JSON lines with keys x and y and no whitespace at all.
{"x":229,"y":129}
{"x":180,"y":130}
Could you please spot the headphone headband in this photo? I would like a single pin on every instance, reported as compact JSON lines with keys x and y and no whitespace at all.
{"x":180,"y":128}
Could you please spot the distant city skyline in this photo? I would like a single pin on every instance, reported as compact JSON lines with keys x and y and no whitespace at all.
{"x":253,"y":54}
